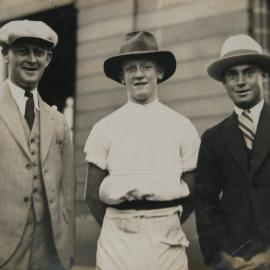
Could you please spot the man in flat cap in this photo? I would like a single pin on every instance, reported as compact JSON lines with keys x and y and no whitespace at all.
{"x":233,"y":171}
{"x":37,"y":183}
{"x":141,"y":165}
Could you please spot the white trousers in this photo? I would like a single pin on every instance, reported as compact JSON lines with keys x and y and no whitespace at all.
{"x":142,"y":240}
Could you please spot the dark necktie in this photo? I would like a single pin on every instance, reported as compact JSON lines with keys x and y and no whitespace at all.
{"x":29,"y":114}
{"x":247,"y":126}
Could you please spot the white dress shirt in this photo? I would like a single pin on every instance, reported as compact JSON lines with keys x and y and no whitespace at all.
{"x":18,"y":94}
{"x":145,"y":149}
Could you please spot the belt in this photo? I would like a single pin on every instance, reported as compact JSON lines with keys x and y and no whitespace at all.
{"x":145,"y":204}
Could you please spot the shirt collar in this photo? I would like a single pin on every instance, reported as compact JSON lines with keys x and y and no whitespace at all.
{"x":254,"y":111}
{"x":18,"y":94}
{"x":143,"y":106}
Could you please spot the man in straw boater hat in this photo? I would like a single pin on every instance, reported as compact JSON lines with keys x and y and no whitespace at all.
{"x":37,"y":182}
{"x":141,"y":165}
{"x":233,"y":171}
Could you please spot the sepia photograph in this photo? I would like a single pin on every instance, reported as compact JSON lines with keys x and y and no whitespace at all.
{"x":134,"y":135}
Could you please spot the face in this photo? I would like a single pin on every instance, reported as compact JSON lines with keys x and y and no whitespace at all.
{"x":244,"y":84}
{"x":27,"y":60}
{"x":140,"y":77}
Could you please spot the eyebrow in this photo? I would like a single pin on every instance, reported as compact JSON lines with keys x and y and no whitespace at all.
{"x":244,"y":69}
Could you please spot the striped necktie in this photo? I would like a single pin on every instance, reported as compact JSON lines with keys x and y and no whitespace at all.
{"x":247,"y":126}
{"x":29,"y":109}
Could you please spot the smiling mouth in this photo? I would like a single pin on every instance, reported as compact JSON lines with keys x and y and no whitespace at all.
{"x":30,"y":69}
{"x":242,"y":92}
{"x":140,"y":83}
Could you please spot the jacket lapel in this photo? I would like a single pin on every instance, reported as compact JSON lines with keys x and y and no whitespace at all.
{"x":234,"y":141}
{"x":10,"y":114}
{"x":47,"y":125}
{"x":262,"y":139}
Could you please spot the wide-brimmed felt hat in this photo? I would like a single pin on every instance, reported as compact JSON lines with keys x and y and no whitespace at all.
{"x":140,"y":45}
{"x":239,"y":49}
{"x":14,"y":30}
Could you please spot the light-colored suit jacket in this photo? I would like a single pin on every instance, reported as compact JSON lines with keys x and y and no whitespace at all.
{"x":16,"y":177}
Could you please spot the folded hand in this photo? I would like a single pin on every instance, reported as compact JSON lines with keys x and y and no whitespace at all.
{"x":260,"y":261}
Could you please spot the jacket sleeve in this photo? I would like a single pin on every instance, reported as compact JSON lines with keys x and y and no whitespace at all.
{"x":68,"y":179}
{"x":211,"y":231}
{"x":188,"y":202}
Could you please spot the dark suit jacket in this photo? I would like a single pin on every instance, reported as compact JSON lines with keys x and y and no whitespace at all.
{"x":232,"y":191}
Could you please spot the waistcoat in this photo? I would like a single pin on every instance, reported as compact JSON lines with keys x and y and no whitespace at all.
{"x":38,"y":192}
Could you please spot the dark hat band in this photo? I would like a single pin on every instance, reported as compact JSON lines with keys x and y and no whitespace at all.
{"x":137,"y":46}
{"x":240,"y":52}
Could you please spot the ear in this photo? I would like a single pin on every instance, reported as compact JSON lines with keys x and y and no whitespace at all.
{"x":121,"y":76}
{"x":160,"y":71}
{"x":265,"y":76}
{"x":5,"y":55}
{"x":160,"y":74}
{"x":49,"y":57}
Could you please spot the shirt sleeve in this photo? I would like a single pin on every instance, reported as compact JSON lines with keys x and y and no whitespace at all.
{"x":190,"y":145}
{"x":96,"y":146}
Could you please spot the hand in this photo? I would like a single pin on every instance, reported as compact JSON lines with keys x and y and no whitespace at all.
{"x":258,"y":261}
{"x":229,"y":263}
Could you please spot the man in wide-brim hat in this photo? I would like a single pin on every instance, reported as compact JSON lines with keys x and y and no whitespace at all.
{"x":141,"y":165}
{"x":233,"y":191}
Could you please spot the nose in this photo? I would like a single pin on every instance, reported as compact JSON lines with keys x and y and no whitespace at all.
{"x":139,"y":74}
{"x":31,"y":57}
{"x":240,"y":79}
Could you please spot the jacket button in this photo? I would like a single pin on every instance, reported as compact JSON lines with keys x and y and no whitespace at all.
{"x":254,"y":185}
{"x":26,"y":199}
{"x":28,"y":166}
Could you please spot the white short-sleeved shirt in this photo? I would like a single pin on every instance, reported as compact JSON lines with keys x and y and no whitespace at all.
{"x":145,"y":149}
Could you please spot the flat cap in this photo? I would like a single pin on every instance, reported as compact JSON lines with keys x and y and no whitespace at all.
{"x":14,"y":30}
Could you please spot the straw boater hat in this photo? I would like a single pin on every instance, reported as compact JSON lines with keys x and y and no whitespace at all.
{"x":140,"y":45}
{"x":239,"y":49}
{"x":15,"y":30}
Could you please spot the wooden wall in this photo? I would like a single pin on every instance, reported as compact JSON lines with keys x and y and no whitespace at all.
{"x":10,"y":9}
{"x":192,"y":29}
